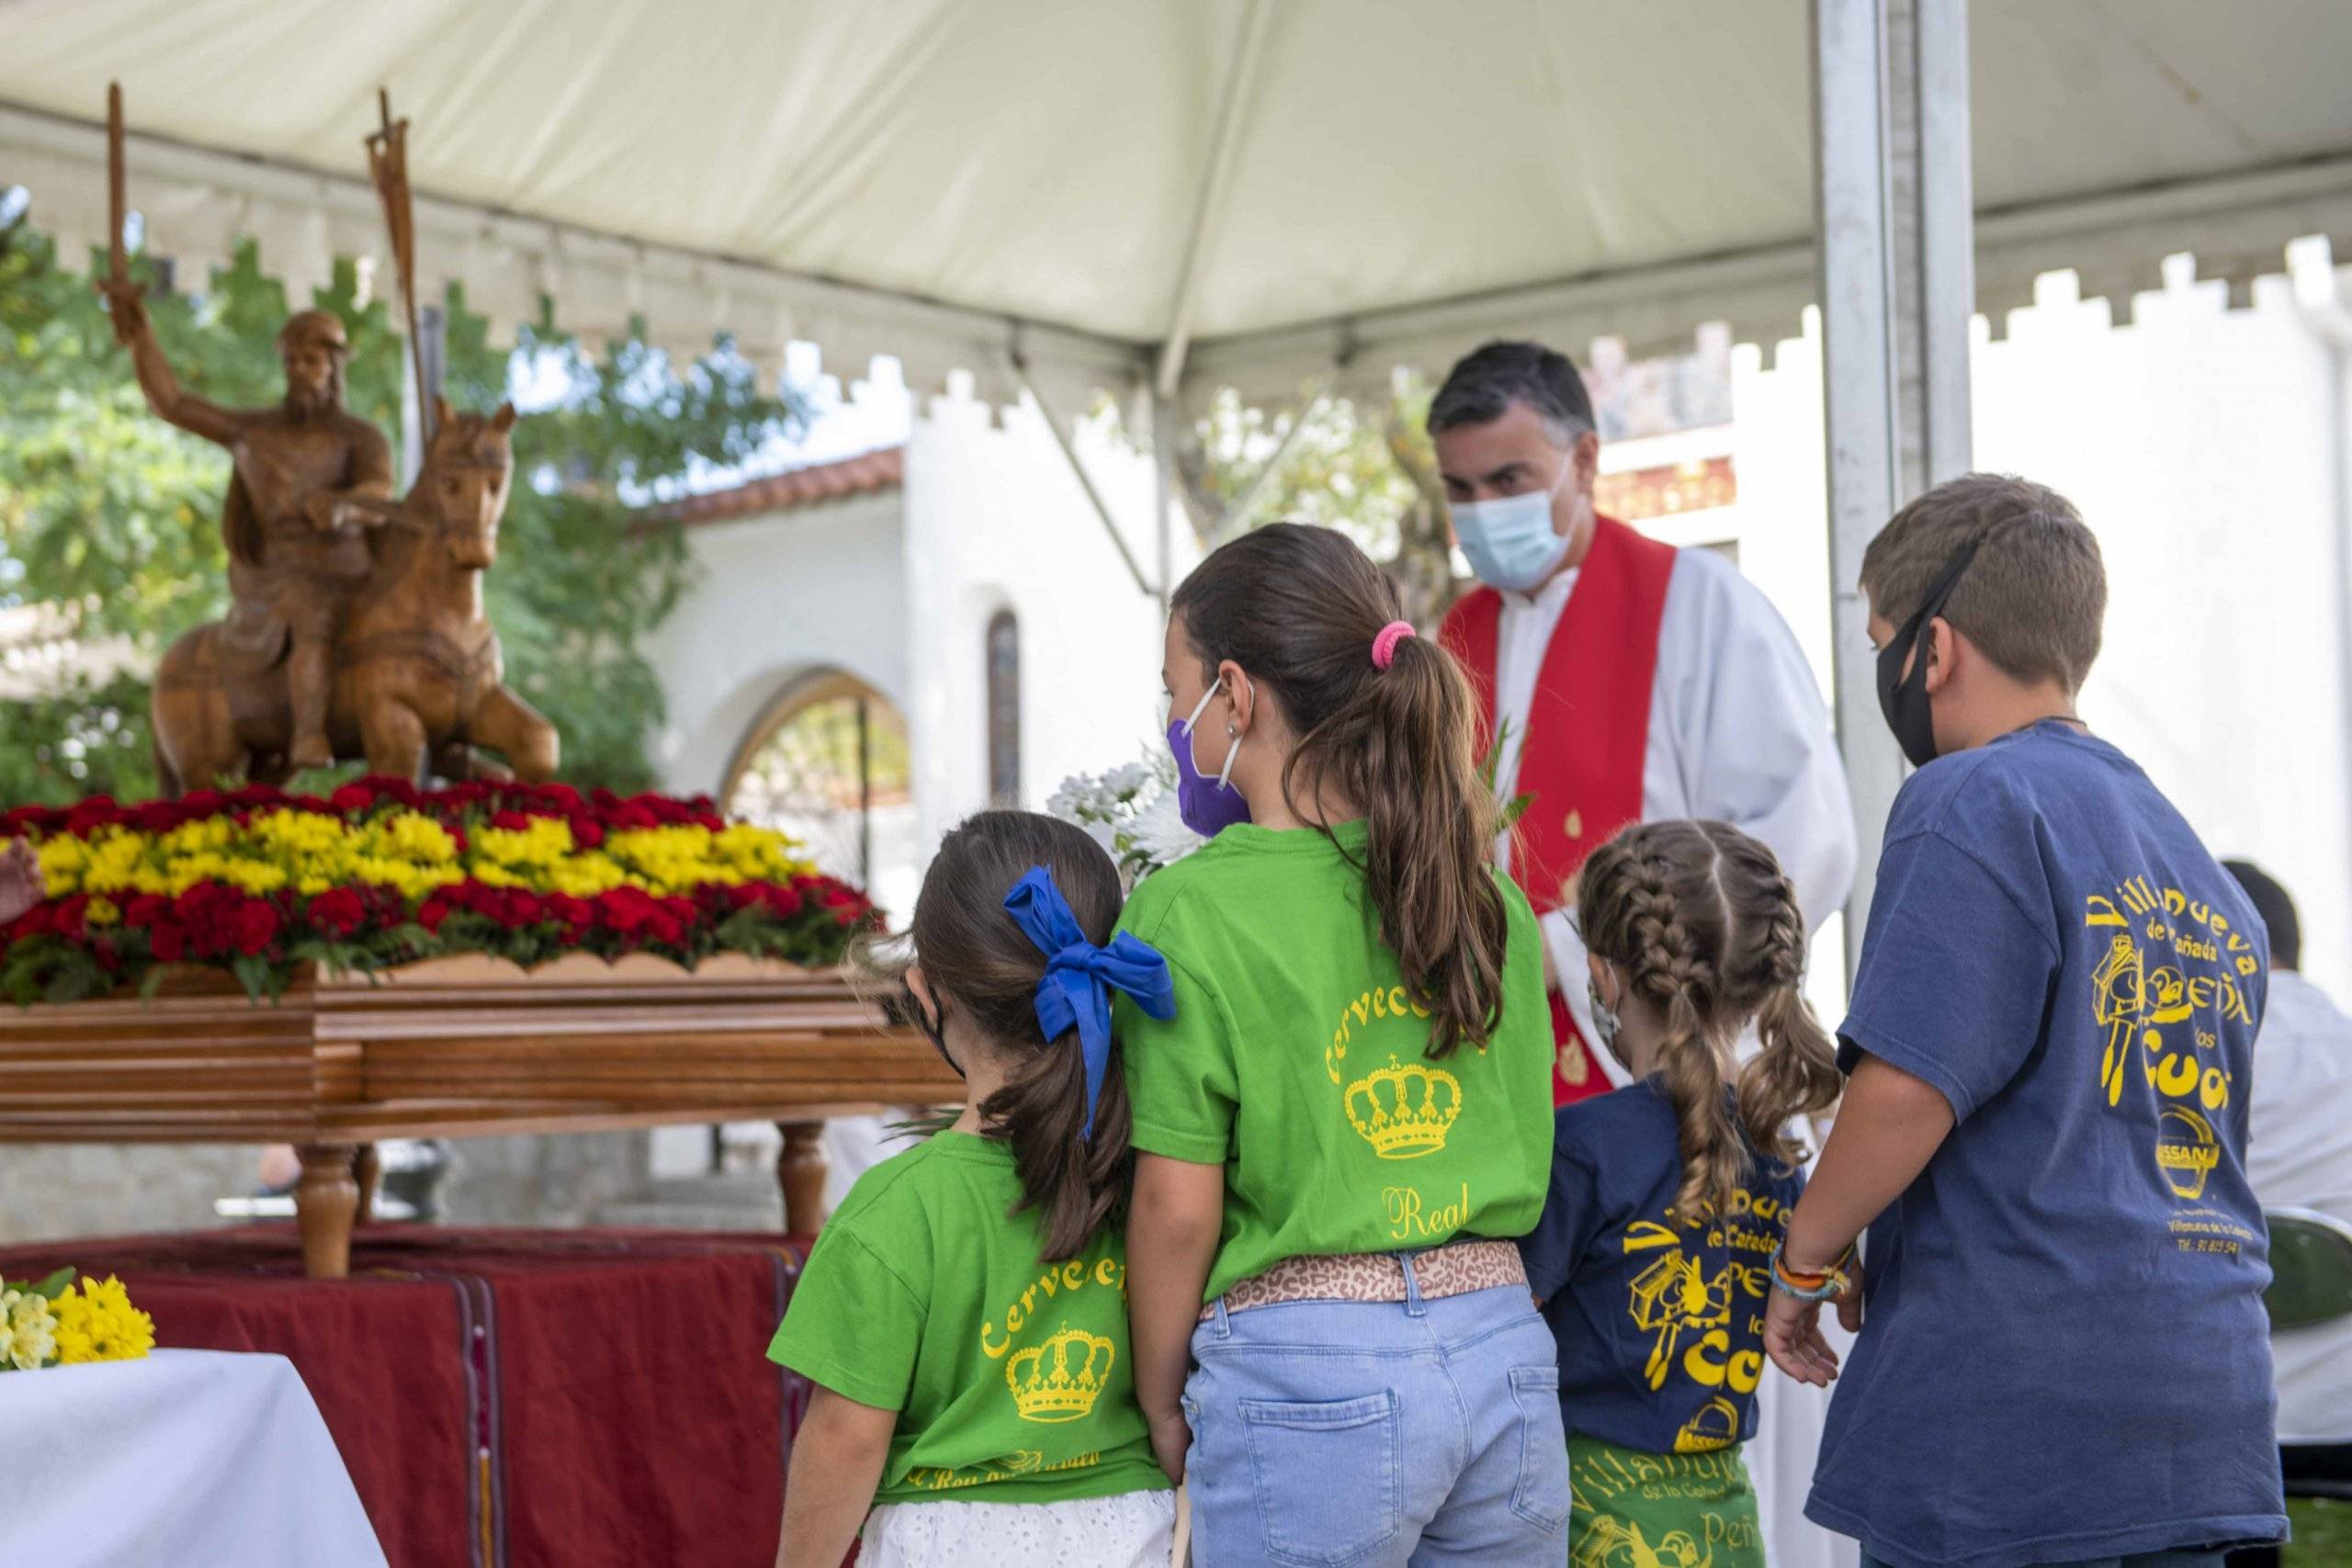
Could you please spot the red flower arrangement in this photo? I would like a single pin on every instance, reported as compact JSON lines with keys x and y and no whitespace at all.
{"x":380,"y":874}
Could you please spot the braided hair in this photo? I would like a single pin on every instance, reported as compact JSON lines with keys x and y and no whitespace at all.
{"x":1700,"y":920}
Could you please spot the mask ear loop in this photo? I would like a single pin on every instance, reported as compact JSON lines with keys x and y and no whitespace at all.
{"x":1202,"y":707}
{"x":1225,"y":774}
{"x":1567,"y":468}
{"x":1915,"y":631}
{"x":935,"y":1031}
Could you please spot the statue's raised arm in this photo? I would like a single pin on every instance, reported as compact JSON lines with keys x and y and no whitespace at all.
{"x":126,"y":301}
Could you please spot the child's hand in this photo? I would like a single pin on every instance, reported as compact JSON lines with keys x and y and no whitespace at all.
{"x":1171,"y":1439}
{"x":20,"y":880}
{"x":1793,"y":1339}
{"x":1792,"y":1335}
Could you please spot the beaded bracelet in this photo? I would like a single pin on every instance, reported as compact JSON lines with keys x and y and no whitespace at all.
{"x":1830,"y":1284}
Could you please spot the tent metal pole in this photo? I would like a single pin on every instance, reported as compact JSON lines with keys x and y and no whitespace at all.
{"x":1164,"y":417}
{"x":1942,"y":220}
{"x":1208,"y":210}
{"x":1246,"y":502}
{"x":1876,"y":182}
{"x":2321,"y":298}
{"x":1852,"y":226}
{"x":1085,"y":481}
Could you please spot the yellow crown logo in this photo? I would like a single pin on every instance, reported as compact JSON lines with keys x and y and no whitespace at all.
{"x":1060,"y":1379}
{"x":1404,"y":1111}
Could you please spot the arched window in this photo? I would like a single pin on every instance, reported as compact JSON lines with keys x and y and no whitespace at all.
{"x":827,"y":765}
{"x":827,"y":762}
{"x":1005,"y":709}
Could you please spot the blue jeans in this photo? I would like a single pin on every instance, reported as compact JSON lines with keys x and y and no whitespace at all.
{"x":1378,"y":1433}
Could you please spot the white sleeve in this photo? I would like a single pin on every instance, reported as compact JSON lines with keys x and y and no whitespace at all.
{"x":1567,"y":948}
{"x":1754,"y":736}
{"x":1567,"y":957}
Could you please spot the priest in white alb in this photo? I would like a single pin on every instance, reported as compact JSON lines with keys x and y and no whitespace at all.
{"x":1630,"y":682}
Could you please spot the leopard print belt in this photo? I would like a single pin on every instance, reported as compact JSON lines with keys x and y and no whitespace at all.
{"x":1454,"y":1269}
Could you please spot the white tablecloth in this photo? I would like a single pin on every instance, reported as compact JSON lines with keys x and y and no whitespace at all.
{"x":185,"y":1460}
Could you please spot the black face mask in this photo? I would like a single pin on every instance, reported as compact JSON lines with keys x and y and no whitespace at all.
{"x":933,"y":1031}
{"x":1904,"y":700}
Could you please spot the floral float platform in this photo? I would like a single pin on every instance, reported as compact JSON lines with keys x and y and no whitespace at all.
{"x":386,"y":962}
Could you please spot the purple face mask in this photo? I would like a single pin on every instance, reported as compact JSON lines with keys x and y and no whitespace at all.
{"x":1206,"y":805}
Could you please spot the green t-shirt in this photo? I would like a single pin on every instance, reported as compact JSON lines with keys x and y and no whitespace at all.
{"x":925,"y":1295}
{"x":1295,"y":1059}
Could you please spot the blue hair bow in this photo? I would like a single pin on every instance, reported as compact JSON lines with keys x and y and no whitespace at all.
{"x":1080,"y":976}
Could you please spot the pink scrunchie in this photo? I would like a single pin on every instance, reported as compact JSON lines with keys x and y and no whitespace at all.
{"x":1383,"y":645}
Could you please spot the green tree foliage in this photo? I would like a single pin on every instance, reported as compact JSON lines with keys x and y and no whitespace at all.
{"x":1367,"y":470}
{"x":114,"y":516}
{"x":82,"y":737}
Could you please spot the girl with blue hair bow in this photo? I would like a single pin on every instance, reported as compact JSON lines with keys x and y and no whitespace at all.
{"x":963,"y":1314}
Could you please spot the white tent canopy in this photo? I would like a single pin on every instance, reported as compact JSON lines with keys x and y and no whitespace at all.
{"x":1250,"y":192}
{"x":1183,"y":195}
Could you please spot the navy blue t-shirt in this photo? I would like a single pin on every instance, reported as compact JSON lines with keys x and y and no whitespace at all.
{"x":2063,"y":1352}
{"x":1661,"y":1325}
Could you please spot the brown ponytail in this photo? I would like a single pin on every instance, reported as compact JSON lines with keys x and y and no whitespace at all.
{"x":1706,"y":927}
{"x":1298,"y":608}
{"x":979,"y":964}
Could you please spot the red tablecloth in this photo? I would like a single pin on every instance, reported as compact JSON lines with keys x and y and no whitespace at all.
{"x":523,"y":1397}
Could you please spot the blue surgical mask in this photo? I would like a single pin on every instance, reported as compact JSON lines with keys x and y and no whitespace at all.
{"x":1509,"y":540}
{"x":1206,"y":805}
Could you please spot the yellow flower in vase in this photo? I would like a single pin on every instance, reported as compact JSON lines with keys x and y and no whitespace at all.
{"x":31,"y":1328}
{"x":98,"y":1323}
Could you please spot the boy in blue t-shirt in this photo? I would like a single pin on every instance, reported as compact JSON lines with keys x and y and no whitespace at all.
{"x":2066,"y":1357}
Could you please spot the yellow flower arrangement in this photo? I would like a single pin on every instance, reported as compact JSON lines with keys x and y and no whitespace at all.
{"x":309,"y":853}
{"x":52,"y":1323}
{"x":382,"y":873}
{"x":98,"y":1323}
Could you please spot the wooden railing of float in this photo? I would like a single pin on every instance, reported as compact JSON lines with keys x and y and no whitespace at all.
{"x":460,"y":1047}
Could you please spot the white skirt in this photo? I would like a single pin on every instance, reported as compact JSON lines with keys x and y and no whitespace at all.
{"x":1128,"y":1530}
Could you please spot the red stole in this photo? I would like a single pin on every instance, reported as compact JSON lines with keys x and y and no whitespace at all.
{"x":1588,"y":733}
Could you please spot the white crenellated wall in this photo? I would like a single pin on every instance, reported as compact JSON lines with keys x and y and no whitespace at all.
{"x":995,"y":519}
{"x":2194,"y":439}
{"x":772,"y":598}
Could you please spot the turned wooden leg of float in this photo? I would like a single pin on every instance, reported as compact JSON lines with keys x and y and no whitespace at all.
{"x":325,"y":1205}
{"x":800,"y":1171}
{"x":365,"y":1169}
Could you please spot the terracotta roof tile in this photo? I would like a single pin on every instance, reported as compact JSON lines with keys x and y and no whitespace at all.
{"x":868,"y":473}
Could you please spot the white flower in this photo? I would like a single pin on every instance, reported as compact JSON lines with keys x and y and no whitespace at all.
{"x":1160,"y":834}
{"x":1131,"y":810}
{"x":32,"y":1328}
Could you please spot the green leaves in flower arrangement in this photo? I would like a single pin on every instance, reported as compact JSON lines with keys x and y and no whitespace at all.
{"x":1516,"y":806}
{"x":49,"y":1289}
